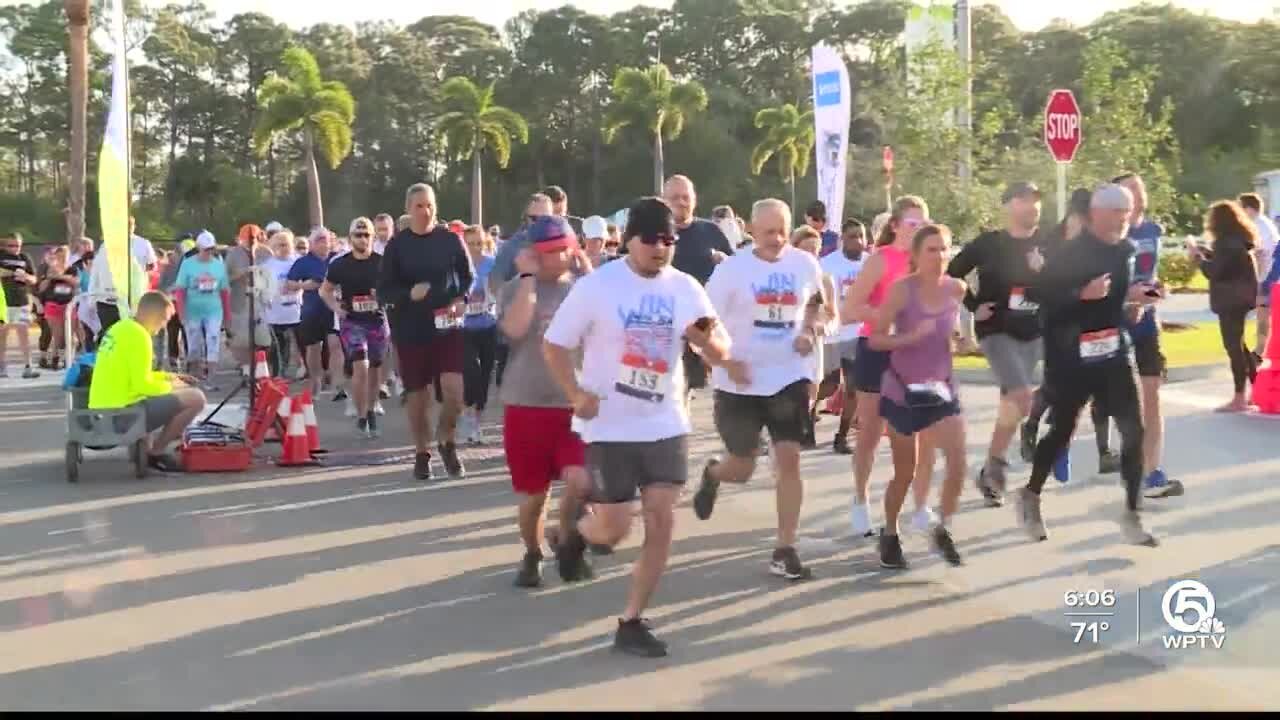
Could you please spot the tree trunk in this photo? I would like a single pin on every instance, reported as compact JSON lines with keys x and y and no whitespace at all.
{"x":315,"y":209}
{"x":77,"y":12}
{"x":595,"y":165}
{"x":271,"y":175}
{"x":793,"y":192}
{"x":658,"y":170}
{"x":477,"y":192}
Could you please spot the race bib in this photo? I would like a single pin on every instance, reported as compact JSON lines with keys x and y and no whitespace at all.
{"x":206,"y":283}
{"x":774,"y":312}
{"x":1018,"y":301}
{"x":643,"y":380}
{"x":940,"y":389}
{"x":364,"y":304}
{"x":478,"y":308}
{"x":445,"y":320}
{"x":1099,"y":345}
{"x":62,"y":290}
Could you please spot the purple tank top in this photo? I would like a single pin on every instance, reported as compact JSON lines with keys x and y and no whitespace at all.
{"x":928,"y":360}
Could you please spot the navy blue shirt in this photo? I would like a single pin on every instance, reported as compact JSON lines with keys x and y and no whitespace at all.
{"x":310,"y":267}
{"x":1146,"y":269}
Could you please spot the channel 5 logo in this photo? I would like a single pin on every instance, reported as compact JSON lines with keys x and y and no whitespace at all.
{"x":1188,"y":608}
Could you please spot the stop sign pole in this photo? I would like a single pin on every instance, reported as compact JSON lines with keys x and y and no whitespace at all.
{"x":1063,"y":133}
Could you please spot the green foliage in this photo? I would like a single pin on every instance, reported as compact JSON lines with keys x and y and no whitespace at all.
{"x":654,"y":100}
{"x":299,"y":99}
{"x":788,"y":135}
{"x":1176,"y":270}
{"x":473,"y":123}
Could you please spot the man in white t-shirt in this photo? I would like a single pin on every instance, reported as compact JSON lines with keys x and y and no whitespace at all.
{"x":143,"y":251}
{"x":1268,"y":236}
{"x":768,"y":300}
{"x":843,"y":266}
{"x":631,"y":318}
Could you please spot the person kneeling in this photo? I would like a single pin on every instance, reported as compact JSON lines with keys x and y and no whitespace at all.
{"x":122,"y":377}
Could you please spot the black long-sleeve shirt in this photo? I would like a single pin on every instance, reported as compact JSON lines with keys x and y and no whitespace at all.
{"x":1001,"y":261}
{"x":1068,"y":320}
{"x":439,"y":258}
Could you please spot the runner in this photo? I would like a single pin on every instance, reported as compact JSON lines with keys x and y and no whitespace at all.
{"x":362,"y":321}
{"x":284,"y":312}
{"x":629,"y":317}
{"x":1145,"y":236}
{"x":537,"y":435}
{"x":1009,"y":263}
{"x":920,"y":398}
{"x":504,"y":267}
{"x":57,"y":290}
{"x":384,"y":228}
{"x":315,"y":323}
{"x":815,"y":216}
{"x":239,"y":266}
{"x":843,"y":266}
{"x":820,"y":366}
{"x":770,"y":301}
{"x":594,"y":231}
{"x":424,"y":280}
{"x":202,"y":295}
{"x":1086,"y":295}
{"x":18,"y":277}
{"x":1268,"y":238}
{"x":889,"y":264}
{"x":480,"y":335}
{"x":700,"y":248}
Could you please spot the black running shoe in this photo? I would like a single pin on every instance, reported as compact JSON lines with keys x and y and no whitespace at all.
{"x":340,"y":395}
{"x":1108,"y":463}
{"x":530,"y":573}
{"x":571,"y":559}
{"x":786,"y":564}
{"x":384,"y":393}
{"x":704,"y":501}
{"x":372,"y":419}
{"x":1029,"y":433}
{"x":452,"y":464}
{"x":945,"y":546}
{"x":891,"y":557}
{"x":840,"y":445}
{"x":635,"y":637}
{"x":362,"y":427}
{"x":422,"y":466}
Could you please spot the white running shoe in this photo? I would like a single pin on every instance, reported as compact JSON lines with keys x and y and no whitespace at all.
{"x":351,"y":408}
{"x":378,"y":409}
{"x":860,"y":519}
{"x":923,"y":519}
{"x":300,"y":373}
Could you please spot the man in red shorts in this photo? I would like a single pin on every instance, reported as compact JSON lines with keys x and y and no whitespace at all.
{"x":537,"y":436}
{"x":424,"y":279}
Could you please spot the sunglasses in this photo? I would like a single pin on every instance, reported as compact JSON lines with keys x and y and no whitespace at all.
{"x":664,"y":238}
{"x":361,"y":235}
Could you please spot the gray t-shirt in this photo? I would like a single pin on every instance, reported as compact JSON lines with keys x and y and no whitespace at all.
{"x":526,"y":380}
{"x":237,"y":259}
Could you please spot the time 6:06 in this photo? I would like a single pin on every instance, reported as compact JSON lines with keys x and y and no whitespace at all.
{"x":1089,"y":598}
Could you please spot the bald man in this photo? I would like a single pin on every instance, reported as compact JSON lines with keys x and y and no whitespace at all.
{"x":701,"y":246}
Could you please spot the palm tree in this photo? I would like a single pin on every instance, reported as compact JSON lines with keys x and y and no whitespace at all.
{"x":789,"y":136}
{"x":474,"y":125}
{"x":300,"y":100}
{"x":653,"y":99}
{"x":77,"y":12}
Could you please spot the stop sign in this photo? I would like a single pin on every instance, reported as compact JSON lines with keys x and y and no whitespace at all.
{"x":1062,"y":126}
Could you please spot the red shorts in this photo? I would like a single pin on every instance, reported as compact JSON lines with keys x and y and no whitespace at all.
{"x":540,"y":444}
{"x":421,"y":364}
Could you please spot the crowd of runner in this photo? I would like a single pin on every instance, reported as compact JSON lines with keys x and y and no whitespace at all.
{"x":597,"y":335}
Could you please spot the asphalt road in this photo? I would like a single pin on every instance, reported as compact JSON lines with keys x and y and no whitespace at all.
{"x":356,"y":588}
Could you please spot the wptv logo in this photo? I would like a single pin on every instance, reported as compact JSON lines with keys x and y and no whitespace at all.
{"x":1188,"y":607}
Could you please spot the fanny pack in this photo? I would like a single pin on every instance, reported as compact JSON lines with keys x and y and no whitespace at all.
{"x":924,"y":396}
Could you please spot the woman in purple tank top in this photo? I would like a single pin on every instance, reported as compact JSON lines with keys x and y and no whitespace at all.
{"x":918,"y":396}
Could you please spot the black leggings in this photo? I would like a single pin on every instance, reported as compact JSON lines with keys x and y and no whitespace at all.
{"x":1042,"y":401}
{"x":1243,"y":365}
{"x":481,"y":353}
{"x":500,"y":366}
{"x":1115,"y":392}
{"x":177,"y":338}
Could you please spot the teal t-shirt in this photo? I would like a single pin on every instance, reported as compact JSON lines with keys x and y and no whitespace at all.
{"x":204,"y":283}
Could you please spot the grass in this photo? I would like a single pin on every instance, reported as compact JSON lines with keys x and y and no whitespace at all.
{"x":1186,"y":346}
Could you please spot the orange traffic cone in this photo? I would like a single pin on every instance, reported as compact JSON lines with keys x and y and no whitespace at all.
{"x":1266,"y":386}
{"x":295,"y":450}
{"x":261,"y":370}
{"x":313,"y":426}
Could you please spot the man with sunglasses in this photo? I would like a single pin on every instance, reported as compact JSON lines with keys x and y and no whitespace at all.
{"x":843,"y":266}
{"x":504,"y":262}
{"x":18,"y":276}
{"x":350,"y":292}
{"x":629,"y":319}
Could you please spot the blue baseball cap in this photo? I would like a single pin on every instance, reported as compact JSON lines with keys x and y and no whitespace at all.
{"x":550,"y":233}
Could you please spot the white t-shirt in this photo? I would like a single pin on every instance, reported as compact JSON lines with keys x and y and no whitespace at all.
{"x":630,"y":329}
{"x":1268,"y":236}
{"x":143,"y":252}
{"x":762,"y":305}
{"x":285,"y":307}
{"x":842,"y":271}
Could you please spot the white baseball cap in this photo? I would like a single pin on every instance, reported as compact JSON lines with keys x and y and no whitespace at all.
{"x":594,"y":228}
{"x":273,"y":227}
{"x":206,"y":241}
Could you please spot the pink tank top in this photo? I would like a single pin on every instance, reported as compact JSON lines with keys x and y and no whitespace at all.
{"x":896,"y":264}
